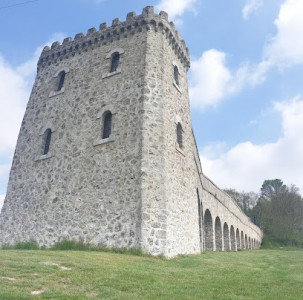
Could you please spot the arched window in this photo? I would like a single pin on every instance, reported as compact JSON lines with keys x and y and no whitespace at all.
{"x":61,"y":80}
{"x":179,"y":135}
{"x":115,"y":62}
{"x":47,"y":140}
{"x":107,"y":125}
{"x":176,"y":75}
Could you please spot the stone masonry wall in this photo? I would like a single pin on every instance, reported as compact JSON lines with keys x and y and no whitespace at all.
{"x":137,"y":188}
{"x":82,"y":191}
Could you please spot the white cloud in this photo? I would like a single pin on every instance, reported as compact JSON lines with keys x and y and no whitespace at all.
{"x":251,"y":7}
{"x":247,"y":165}
{"x":15,"y":87}
{"x":176,"y":8}
{"x":14,"y":94}
{"x":286,"y":48}
{"x":211,"y":81}
{"x":1,"y":201}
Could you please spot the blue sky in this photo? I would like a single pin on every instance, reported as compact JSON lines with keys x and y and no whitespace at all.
{"x":245,"y":79}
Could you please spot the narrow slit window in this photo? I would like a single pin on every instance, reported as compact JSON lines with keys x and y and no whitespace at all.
{"x":179,"y":135}
{"x":176,"y":75}
{"x":61,"y":80}
{"x":48,"y":137}
{"x":107,"y":125}
{"x":115,"y":62}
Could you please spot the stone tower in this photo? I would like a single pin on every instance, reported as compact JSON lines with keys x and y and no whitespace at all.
{"x":106,"y":152}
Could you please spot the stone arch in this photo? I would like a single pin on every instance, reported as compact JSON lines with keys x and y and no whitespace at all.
{"x":218,"y":234}
{"x":242,"y":240}
{"x":208,"y":228}
{"x":246,"y":245}
{"x":116,"y":50}
{"x":48,"y":125}
{"x":238,"y":241}
{"x":232,"y":238}
{"x":64,"y":69}
{"x":226,"y":237}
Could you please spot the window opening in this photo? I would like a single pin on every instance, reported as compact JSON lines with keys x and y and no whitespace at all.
{"x":176,"y":75}
{"x":107,"y":125}
{"x":179,"y":135}
{"x":48,"y":137}
{"x":61,"y":81}
{"x":115,"y":62}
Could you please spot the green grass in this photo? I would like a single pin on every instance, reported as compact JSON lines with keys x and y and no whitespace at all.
{"x":262,"y":274}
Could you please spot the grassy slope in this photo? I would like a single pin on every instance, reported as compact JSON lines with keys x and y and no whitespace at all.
{"x":263,"y":274}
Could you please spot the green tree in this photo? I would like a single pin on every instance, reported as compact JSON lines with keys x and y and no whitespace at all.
{"x":272,"y":187}
{"x":279,"y":212}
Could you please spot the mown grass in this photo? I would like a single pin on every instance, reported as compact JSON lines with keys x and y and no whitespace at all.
{"x":261,"y":274}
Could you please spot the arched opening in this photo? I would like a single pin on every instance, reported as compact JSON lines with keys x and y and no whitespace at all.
{"x":218,"y":234}
{"x":208,"y":227}
{"x":249,"y":243}
{"x":61,"y":80}
{"x":176,"y":75}
{"x":179,"y":135}
{"x":47,"y":140}
{"x":115,"y":62}
{"x":226,"y":237}
{"x":242,"y":241}
{"x":107,"y":125}
{"x":238,"y":239}
{"x":246,"y":245}
{"x":232,"y":238}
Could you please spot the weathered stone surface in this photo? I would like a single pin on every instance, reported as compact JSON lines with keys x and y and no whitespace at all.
{"x":136,"y":188}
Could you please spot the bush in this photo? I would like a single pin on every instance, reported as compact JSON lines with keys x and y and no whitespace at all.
{"x":70,"y":245}
{"x":74,"y":246}
{"x":22,"y":246}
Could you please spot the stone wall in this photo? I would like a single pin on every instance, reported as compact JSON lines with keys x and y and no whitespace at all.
{"x":138,"y":187}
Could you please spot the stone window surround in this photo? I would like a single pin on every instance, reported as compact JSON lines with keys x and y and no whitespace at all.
{"x":109,"y":56}
{"x":55,"y":93}
{"x":100,"y":115}
{"x":52,"y":127}
{"x":180,"y":150}
{"x":174,"y":82}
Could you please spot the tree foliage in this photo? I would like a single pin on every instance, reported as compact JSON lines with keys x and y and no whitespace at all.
{"x":245,"y":200}
{"x":278,"y":211}
{"x":272,"y":187}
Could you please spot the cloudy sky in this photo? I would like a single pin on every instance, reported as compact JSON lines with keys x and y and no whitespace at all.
{"x":246,"y":77}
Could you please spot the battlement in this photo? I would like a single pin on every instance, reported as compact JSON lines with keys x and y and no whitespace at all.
{"x":147,"y":21}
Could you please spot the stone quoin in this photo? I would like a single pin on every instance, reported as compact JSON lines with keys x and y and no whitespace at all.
{"x":106,"y":152}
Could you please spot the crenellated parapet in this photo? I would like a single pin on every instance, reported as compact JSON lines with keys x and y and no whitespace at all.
{"x":147,"y":21}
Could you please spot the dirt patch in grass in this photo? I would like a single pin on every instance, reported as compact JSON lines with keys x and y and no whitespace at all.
{"x":9,"y":278}
{"x":63,"y":268}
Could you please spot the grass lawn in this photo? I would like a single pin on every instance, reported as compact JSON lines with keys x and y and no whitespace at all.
{"x":261,"y":274}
